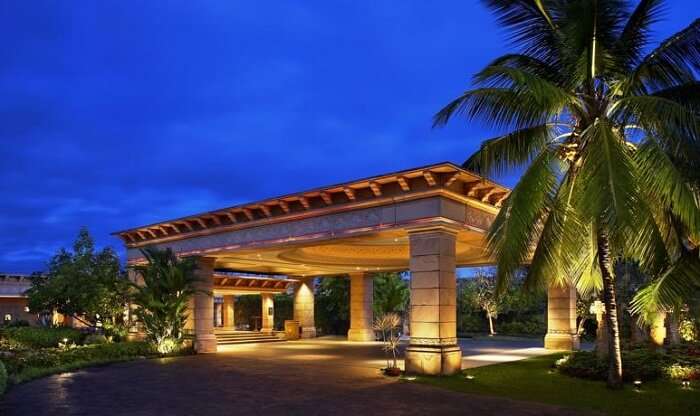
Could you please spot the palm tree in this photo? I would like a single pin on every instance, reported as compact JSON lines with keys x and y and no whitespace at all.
{"x":162,"y":297}
{"x":603,"y":124}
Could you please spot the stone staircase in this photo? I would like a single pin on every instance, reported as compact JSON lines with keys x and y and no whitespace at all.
{"x":233,"y":337}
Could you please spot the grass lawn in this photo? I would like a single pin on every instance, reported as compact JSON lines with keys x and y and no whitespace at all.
{"x":534,"y":380}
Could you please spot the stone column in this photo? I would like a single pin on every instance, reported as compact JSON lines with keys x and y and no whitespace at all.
{"x":361,"y":300}
{"x":135,"y":327}
{"x":433,"y":347}
{"x":205,"y":340}
{"x":561,"y":319}
{"x":189,"y":322}
{"x":304,"y":306}
{"x":268,"y":312}
{"x":229,"y":316}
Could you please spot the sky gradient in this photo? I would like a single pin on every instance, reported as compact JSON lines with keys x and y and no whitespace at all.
{"x":115,"y":114}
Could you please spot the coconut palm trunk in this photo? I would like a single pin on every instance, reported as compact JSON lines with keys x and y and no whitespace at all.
{"x":491,"y":331}
{"x":614,"y":351}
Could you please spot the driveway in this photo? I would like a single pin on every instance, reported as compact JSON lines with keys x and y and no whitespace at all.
{"x":316,"y":377}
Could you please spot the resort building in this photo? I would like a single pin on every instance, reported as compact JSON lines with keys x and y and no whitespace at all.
{"x":13,"y":301}
{"x":428,"y":221}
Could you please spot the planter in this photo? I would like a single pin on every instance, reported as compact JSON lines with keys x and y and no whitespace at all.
{"x":392,"y":371}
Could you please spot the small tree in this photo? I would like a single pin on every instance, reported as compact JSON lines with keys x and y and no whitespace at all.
{"x":84,"y":285}
{"x":387,"y":325}
{"x":162,"y":298}
{"x":486,"y":296}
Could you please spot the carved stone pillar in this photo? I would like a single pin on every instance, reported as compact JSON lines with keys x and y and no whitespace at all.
{"x":229,"y":315}
{"x":268,"y":312}
{"x":601,"y":335}
{"x":361,"y":300}
{"x":433,"y":347}
{"x":561,"y":319}
{"x":304,"y":306}
{"x":205,"y":340}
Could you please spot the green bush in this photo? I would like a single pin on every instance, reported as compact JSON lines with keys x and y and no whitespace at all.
{"x":638,"y":364}
{"x":3,"y":379}
{"x":531,"y":327}
{"x":39,"y":337}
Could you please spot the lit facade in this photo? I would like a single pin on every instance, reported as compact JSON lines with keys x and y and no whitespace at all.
{"x":427,"y":220}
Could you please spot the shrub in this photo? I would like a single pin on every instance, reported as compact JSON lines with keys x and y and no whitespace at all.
{"x":639,"y":364}
{"x":3,"y":378}
{"x":53,"y":358}
{"x":531,"y":327}
{"x":38,"y":337}
{"x":583,"y":364}
{"x":94,"y":339}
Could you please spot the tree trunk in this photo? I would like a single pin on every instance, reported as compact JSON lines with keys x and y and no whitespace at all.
{"x":614,"y":352}
{"x":673,"y":334}
{"x":490,"y":324}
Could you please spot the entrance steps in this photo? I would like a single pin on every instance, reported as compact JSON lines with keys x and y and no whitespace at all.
{"x":232,"y":337}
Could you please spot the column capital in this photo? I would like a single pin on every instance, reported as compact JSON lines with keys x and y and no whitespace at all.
{"x":432,"y":229}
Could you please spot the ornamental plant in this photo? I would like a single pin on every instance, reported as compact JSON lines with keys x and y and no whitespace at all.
{"x":605,"y":127}
{"x":388,"y":325}
{"x":162,"y":297}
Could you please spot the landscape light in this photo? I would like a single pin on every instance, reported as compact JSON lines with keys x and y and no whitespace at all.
{"x":65,"y":340}
{"x":410,"y":378}
{"x":685,"y":383}
{"x":469,"y":377}
{"x":637,"y":384}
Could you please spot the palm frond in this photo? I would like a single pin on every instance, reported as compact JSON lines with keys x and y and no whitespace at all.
{"x":512,"y":150}
{"x":687,"y":95}
{"x":531,"y":25}
{"x":559,"y":257}
{"x":672,"y":63}
{"x":659,"y":116}
{"x":547,"y":71}
{"x":669,"y":289}
{"x":503,"y":108}
{"x":636,"y":33}
{"x":518,"y":224}
{"x":662,"y":180}
{"x":609,"y":195}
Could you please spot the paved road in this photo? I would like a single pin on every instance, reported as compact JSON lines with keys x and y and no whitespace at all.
{"x":320,"y":377}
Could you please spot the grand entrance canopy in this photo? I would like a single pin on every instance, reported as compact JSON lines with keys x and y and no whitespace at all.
{"x":361,"y":225}
{"x":427,"y":220}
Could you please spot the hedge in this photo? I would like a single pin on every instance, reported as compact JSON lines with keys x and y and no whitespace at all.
{"x":38,"y":337}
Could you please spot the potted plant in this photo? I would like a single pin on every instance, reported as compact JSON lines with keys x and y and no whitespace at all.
{"x":387,"y":325}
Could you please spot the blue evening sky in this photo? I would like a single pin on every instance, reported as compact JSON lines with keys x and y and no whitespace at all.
{"x":119,"y":113}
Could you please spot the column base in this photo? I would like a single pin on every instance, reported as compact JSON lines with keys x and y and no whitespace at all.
{"x":205,"y":344}
{"x":567,"y":342}
{"x":361,"y":335}
{"x":433,"y":360}
{"x":308,"y":332}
